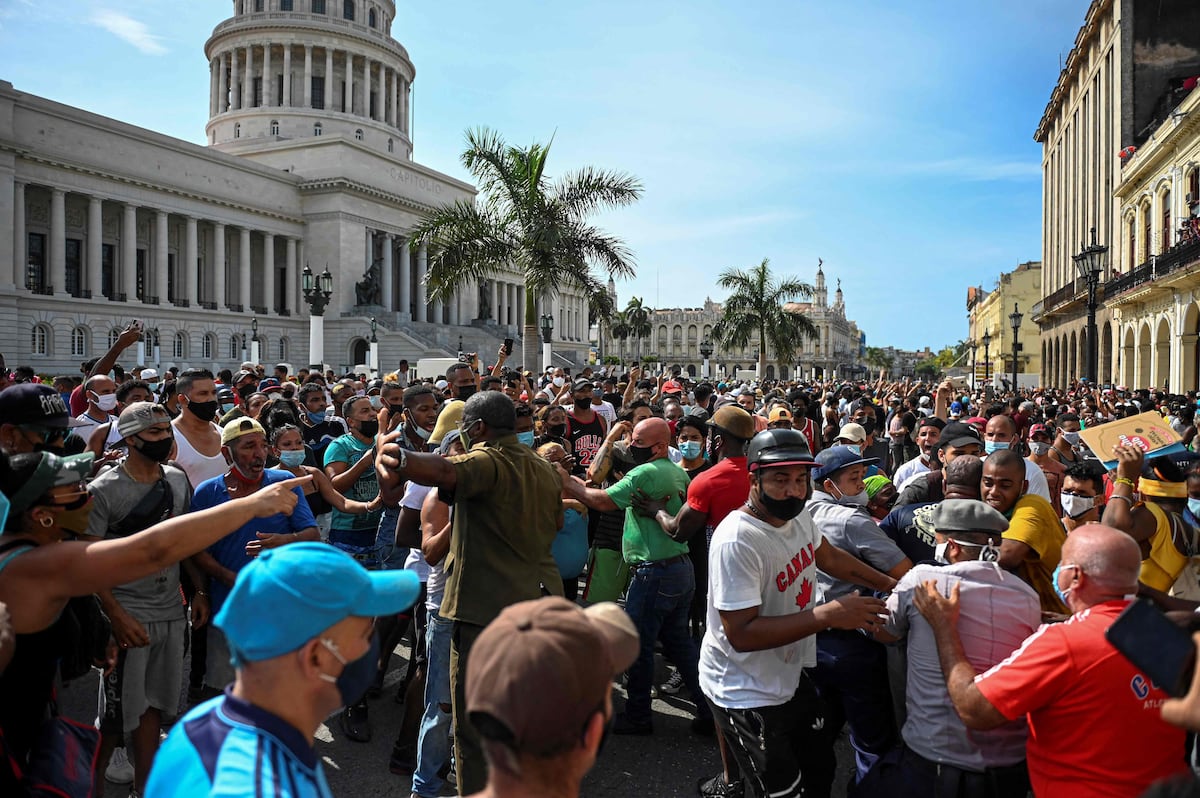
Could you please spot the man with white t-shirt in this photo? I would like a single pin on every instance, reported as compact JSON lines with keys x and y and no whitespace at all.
{"x":763,"y":613}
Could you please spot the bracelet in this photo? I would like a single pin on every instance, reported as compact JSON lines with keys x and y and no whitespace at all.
{"x":202,"y":593}
{"x":1123,"y":481}
{"x":1126,"y":498}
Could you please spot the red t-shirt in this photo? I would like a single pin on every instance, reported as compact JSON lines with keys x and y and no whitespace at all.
{"x":79,"y":402}
{"x":1094,"y":724}
{"x":719,"y":491}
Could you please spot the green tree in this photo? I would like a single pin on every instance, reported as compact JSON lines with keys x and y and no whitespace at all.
{"x":755,"y":309}
{"x":619,"y":329}
{"x":878,"y":358}
{"x":524,"y":219}
{"x":637,"y":316}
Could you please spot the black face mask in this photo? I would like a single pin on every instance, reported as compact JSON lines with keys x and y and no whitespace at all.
{"x":245,"y":391}
{"x":395,"y":410}
{"x":868,"y":425}
{"x":641,"y":454}
{"x":464,"y":392}
{"x":783,"y":509}
{"x":583,"y":403}
{"x":368,"y":429}
{"x":158,"y":451}
{"x":205,"y":411}
{"x":557,"y":430}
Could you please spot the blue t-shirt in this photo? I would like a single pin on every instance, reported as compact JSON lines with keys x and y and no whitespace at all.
{"x":349,"y":449}
{"x":227,"y":746}
{"x":570,"y":546}
{"x":230,"y":551}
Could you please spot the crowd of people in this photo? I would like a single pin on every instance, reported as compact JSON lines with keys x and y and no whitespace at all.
{"x":929,"y":569}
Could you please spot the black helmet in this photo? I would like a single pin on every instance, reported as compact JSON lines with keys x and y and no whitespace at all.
{"x":778,"y":447}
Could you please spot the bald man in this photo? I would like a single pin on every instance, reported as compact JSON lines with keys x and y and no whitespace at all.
{"x":662,"y":581}
{"x":1094,"y":723}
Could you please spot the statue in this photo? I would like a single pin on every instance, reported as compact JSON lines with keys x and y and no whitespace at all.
{"x":367,"y":290}
{"x":485,"y":300}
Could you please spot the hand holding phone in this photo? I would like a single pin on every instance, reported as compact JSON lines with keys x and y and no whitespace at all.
{"x":1162,"y":650}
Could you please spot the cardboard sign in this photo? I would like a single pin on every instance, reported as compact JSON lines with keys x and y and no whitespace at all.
{"x":1150,"y":432}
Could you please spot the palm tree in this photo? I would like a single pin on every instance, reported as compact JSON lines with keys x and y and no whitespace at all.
{"x":619,"y":329}
{"x":600,"y":305}
{"x":637,"y":316}
{"x":524,"y":219}
{"x":878,"y":358}
{"x":756,"y":306}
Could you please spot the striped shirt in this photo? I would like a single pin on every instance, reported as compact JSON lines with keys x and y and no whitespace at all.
{"x":228,"y":747}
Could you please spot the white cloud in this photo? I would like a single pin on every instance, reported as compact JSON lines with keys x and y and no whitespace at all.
{"x":129,"y":30}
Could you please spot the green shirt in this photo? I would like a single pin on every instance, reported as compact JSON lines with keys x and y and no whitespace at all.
{"x":507,"y":511}
{"x":643,"y":539}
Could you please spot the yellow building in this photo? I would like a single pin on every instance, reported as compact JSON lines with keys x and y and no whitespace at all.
{"x":990,"y":312}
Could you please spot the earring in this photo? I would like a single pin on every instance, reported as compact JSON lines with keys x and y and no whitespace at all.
{"x":46,"y":521}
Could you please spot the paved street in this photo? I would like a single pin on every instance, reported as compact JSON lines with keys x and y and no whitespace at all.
{"x":665,"y":765}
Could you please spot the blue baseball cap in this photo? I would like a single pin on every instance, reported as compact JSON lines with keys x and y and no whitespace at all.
{"x":835,"y":458}
{"x":305,"y":588}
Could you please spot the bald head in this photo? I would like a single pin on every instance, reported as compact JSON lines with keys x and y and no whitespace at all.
{"x":652,"y":431}
{"x":963,"y":475}
{"x":1000,"y":428}
{"x":1109,"y":557}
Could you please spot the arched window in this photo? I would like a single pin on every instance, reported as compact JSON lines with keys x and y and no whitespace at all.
{"x":283,"y":349}
{"x":237,"y":130}
{"x":113,"y":335}
{"x":180,"y":348}
{"x":348,"y":9}
{"x":358,"y":135}
{"x":1147,"y":232}
{"x":235,"y":347}
{"x":39,"y":343}
{"x":79,"y":342}
{"x":208,"y":346}
{"x":1166,"y":221}
{"x":391,"y":146}
{"x":317,"y":129}
{"x":1132,"y":244}
{"x":274,"y":127}
{"x":371,"y":18}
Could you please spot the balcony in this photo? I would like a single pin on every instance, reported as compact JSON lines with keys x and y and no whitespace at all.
{"x":1179,"y":257}
{"x":1064,"y":295}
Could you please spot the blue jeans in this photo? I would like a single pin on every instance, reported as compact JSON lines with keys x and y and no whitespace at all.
{"x":433,"y":741}
{"x":393,"y":556}
{"x":851,"y":675}
{"x":658,"y":602}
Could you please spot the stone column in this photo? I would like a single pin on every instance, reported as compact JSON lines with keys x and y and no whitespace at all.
{"x":287,"y":76}
{"x":244,"y":270}
{"x":388,"y":286}
{"x":14,"y":274}
{"x":58,"y":240}
{"x":395,"y":90}
{"x":453,"y":303}
{"x":212,"y":86}
{"x":422,"y":291}
{"x":291,"y":278}
{"x":95,"y":247}
{"x":385,"y":105}
{"x":328,"y":80}
{"x":405,"y":279}
{"x":161,"y":278}
{"x":308,"y":76}
{"x":505,"y":302}
{"x":367,"y":88}
{"x":439,"y":312}
{"x":268,"y":93}
{"x":223,"y":83}
{"x":189,"y":272}
{"x":269,"y":273}
{"x":219,"y":266}
{"x":248,"y":85}
{"x":129,"y":252}
{"x":519,"y":321}
{"x":235,"y":82}
{"x":495,"y":311}
{"x":348,"y":101}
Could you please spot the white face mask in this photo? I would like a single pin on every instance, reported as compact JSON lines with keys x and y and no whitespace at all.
{"x":1075,"y":506}
{"x":939,"y":552}
{"x":107,"y":402}
{"x":1040,"y":448}
{"x":1071,"y":438}
{"x":558,"y":382}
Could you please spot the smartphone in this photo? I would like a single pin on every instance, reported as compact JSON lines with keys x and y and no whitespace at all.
{"x":1160,"y":648}
{"x":508,"y":343}
{"x":959,"y":383}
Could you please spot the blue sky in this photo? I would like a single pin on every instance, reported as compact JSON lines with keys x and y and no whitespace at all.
{"x":892,"y":140}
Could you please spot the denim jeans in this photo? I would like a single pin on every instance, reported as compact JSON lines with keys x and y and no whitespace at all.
{"x":393,"y":556}
{"x":658,"y":602}
{"x":433,"y":742}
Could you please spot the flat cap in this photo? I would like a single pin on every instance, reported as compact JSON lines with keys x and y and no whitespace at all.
{"x":968,"y":515}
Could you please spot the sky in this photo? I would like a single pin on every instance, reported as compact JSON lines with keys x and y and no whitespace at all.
{"x":892,"y":140}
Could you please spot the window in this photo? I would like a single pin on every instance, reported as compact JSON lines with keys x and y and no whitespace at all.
{"x":180,"y":348}
{"x":258,"y":5}
{"x":1193,"y":195}
{"x":208,"y":346}
{"x":141,"y":275}
{"x":74,"y":273}
{"x":113,"y":336}
{"x":108,"y":259}
{"x":79,"y":342}
{"x":283,"y":349}
{"x":317,"y":129}
{"x":1166,"y":221}
{"x":258,"y":93}
{"x":171,"y":297}
{"x":285,"y":5}
{"x":318,"y":92}
{"x":277,"y":99}
{"x":35,"y":267}
{"x":318,"y":6}
{"x":348,"y":9}
{"x":1131,"y":254}
{"x":39,"y":343}
{"x":358,"y":135}
{"x":371,"y":18}
{"x":237,"y":130}
{"x":274,"y":127}
{"x":1147,"y":232}
{"x":391,"y":146}
{"x":235,"y":348}
{"x":371,"y":113}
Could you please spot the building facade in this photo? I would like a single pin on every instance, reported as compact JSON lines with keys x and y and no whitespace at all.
{"x":308,"y":163}
{"x":990,"y":312}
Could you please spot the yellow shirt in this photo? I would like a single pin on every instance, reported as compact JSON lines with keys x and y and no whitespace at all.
{"x":1164,"y":564}
{"x":1035,"y":524}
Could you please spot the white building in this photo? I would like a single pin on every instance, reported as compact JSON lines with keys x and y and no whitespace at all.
{"x":309,"y":163}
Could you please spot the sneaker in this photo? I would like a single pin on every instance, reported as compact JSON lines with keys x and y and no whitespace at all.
{"x":355,"y":724}
{"x":717,"y":787}
{"x":672,"y":686}
{"x":120,"y":769}
{"x":623,"y":725}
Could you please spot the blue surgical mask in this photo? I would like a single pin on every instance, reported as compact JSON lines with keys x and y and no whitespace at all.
{"x":689,"y":449}
{"x":317,"y":417}
{"x":226,"y":407}
{"x":356,"y":676}
{"x":3,"y":510}
{"x":293,"y":458}
{"x":526,"y":438}
{"x":154,"y":387}
{"x":1193,"y":507}
{"x":994,"y":446}
{"x":854,"y":447}
{"x":376,"y":401}
{"x":1063,"y":595}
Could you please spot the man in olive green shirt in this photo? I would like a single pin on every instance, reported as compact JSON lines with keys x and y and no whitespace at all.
{"x":507,"y":511}
{"x":661,"y":588}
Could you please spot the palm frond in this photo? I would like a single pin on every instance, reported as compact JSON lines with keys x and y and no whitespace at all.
{"x":589,"y":189}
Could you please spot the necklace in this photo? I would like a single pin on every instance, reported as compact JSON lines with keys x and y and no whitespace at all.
{"x":128,"y":473}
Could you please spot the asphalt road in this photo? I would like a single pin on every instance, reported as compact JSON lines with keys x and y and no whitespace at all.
{"x":667,"y":764}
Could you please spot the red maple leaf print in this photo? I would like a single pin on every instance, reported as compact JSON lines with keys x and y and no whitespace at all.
{"x":805,"y":594}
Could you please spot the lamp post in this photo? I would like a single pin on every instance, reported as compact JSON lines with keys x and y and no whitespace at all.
{"x":987,"y":362}
{"x":254,"y":353}
{"x":317,"y":290}
{"x":1014,"y":319}
{"x":1090,"y":264}
{"x":706,"y":350}
{"x":374,"y":364}
{"x":547,"y":321}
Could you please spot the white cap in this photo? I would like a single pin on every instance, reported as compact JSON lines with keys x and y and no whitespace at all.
{"x":440,"y":385}
{"x":148,"y":375}
{"x":924,"y":402}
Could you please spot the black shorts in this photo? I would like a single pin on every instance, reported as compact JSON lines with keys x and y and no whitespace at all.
{"x":783,"y":751}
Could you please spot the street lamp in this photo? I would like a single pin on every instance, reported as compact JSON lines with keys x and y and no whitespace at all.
{"x":547,"y":321}
{"x":254,"y":353}
{"x":706,"y":350}
{"x":1014,"y":319}
{"x":987,"y":362}
{"x":374,"y":364}
{"x":317,"y":291}
{"x":1090,"y":263}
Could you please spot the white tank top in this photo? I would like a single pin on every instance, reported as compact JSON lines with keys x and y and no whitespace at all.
{"x":197,"y":466}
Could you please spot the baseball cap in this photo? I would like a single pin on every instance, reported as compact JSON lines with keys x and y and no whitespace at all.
{"x":239,"y":427}
{"x":148,"y":375}
{"x":447,"y":420}
{"x":1038,"y":429}
{"x":269,"y":385}
{"x":141,"y":416}
{"x":852,"y":431}
{"x":957,"y":434}
{"x":308,"y":587}
{"x":581,"y":385}
{"x":542,"y":668}
{"x":779,"y":413}
{"x":670,"y":386}
{"x":956,"y":408}
{"x":923,"y":401}
{"x":735,"y":421}
{"x":242,"y":375}
{"x":52,"y":471}
{"x":835,"y":458}
{"x":34,"y":403}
